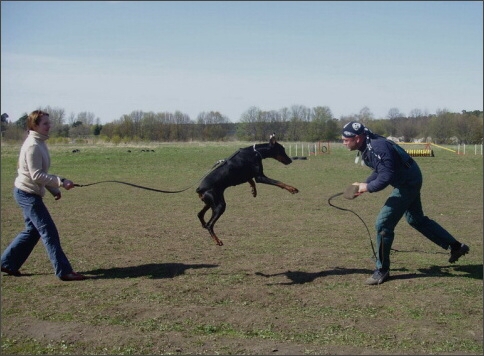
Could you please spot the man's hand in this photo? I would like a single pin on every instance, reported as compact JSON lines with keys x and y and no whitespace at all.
{"x":362,"y":187}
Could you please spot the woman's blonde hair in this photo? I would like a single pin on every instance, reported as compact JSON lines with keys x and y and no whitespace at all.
{"x":34,"y":118}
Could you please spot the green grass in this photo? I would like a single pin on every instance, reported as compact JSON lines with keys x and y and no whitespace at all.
{"x":289,"y":278}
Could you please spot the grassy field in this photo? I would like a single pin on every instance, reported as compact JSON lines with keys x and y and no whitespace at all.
{"x":289,"y":279}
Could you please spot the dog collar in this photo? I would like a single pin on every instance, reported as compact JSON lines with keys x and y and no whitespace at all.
{"x":257,"y":151}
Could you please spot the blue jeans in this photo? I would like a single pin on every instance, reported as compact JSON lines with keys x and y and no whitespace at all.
{"x":405,"y":201}
{"x":38,"y":224}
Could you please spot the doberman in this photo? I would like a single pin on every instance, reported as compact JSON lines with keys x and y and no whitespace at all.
{"x":243,"y":166}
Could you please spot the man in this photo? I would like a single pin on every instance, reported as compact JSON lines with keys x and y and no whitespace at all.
{"x":391,"y":165}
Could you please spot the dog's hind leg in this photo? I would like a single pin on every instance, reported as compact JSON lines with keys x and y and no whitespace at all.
{"x":214,"y":237}
{"x":217,"y":212}
{"x":218,"y":209}
{"x":201,"y":215}
{"x":254,"y":189}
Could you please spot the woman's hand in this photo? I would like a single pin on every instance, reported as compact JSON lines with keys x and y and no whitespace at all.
{"x":67,"y":184}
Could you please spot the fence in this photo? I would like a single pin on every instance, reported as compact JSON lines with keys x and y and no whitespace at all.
{"x":299,"y":149}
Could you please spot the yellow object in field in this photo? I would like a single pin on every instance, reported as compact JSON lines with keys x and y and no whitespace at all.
{"x":421,"y":153}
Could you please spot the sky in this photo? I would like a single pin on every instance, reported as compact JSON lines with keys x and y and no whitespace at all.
{"x":111,"y":58}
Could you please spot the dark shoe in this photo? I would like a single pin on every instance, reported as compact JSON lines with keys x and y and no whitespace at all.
{"x":455,"y":254}
{"x":74,"y":276}
{"x":10,"y":272}
{"x":378,"y":277}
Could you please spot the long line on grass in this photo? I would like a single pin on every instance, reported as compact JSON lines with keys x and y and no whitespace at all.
{"x":216,"y":165}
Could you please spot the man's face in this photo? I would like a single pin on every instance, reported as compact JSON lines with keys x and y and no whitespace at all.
{"x":352,"y":143}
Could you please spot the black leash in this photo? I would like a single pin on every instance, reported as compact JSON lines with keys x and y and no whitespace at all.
{"x":344,"y":209}
{"x":216,"y":165}
{"x":134,"y":185}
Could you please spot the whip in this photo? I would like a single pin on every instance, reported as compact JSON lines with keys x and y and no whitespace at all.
{"x":351,"y":193}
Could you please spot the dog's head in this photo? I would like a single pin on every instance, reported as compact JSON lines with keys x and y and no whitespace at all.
{"x":277,"y":151}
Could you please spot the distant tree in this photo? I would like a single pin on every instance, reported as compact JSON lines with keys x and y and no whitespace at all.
{"x":332,"y":131}
{"x":416,"y":113}
{"x":22,"y":122}
{"x":394,"y":113}
{"x":248,"y":127}
{"x":108,"y":130}
{"x":136,"y":117}
{"x":4,"y":123}
{"x":179,"y":126}
{"x":79,"y":129}
{"x":87,"y":118}
{"x":381,"y":127}
{"x":125,"y":127}
{"x":96,"y":129}
{"x":151,"y":127}
{"x":442,"y":127}
{"x":469,"y":128}
{"x":299,"y":116}
{"x":321,"y":115}
{"x":365,"y":115}
{"x":213,"y":126}
{"x":408,"y":130}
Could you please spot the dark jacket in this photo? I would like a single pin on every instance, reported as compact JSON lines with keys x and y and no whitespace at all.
{"x":390,"y":163}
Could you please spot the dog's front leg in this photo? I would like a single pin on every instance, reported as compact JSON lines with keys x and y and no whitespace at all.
{"x":265,"y":180}
{"x":254,"y":189}
{"x":289,"y":188}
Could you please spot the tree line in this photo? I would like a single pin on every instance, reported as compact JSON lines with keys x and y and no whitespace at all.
{"x":295,"y":123}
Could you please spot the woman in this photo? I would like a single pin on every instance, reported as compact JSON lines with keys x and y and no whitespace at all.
{"x":30,"y":186}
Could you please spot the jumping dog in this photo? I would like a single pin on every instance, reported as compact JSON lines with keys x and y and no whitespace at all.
{"x":244,"y":166}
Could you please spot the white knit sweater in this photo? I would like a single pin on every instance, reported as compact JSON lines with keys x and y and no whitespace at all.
{"x":33,"y":165}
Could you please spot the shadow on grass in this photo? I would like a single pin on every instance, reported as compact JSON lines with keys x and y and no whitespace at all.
{"x":298,"y":277}
{"x":470,"y":271}
{"x":473,"y":271}
{"x":151,"y":270}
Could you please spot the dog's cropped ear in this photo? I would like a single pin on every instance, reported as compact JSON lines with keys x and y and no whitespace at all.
{"x":272,"y":138}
